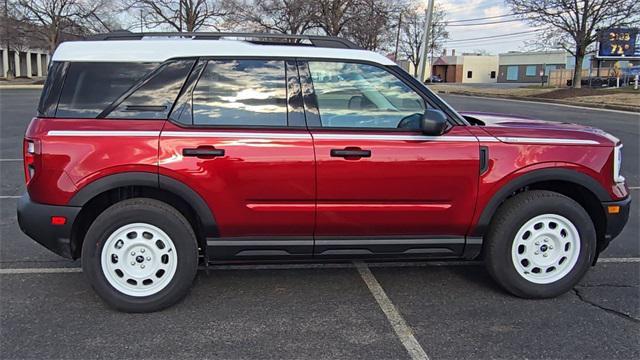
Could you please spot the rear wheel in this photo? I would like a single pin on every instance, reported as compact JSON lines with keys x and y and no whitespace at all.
{"x":140,"y":255}
{"x":540,"y":244}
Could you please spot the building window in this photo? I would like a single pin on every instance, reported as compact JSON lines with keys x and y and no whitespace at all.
{"x":531,"y":70}
{"x":469,"y":74}
{"x":512,"y":73}
{"x":493,"y":74}
{"x":549,"y":68}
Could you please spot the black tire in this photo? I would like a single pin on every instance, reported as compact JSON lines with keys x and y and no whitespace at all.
{"x":508,"y":220}
{"x":160,"y":215}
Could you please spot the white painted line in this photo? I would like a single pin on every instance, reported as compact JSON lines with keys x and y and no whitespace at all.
{"x":619,"y":260}
{"x":634,"y":187}
{"x":8,"y":160}
{"x":402,"y":330}
{"x":546,"y":103}
{"x":40,"y":271}
{"x":10,"y":197}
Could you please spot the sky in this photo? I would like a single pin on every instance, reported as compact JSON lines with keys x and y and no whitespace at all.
{"x":518,"y":31}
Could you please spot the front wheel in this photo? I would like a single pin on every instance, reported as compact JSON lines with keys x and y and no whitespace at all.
{"x":540,"y":244}
{"x":140,"y":255}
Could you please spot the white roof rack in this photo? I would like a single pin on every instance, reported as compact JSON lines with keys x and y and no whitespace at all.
{"x":159,"y":50}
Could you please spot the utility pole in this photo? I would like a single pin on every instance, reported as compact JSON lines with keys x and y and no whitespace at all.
{"x":395,"y":54}
{"x":141,"y":29}
{"x":180,"y":17}
{"x":425,"y":41}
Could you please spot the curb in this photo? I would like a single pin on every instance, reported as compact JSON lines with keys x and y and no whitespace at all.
{"x":543,"y":100}
{"x":20,"y":86}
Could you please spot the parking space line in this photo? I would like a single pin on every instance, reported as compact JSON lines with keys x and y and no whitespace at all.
{"x":402,"y":330}
{"x":634,"y":187}
{"x":40,"y":271}
{"x":8,"y":160}
{"x":619,"y":260}
{"x":10,"y":196}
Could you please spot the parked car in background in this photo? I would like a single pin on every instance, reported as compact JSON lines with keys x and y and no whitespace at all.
{"x":434,"y":79}
{"x":149,"y":158}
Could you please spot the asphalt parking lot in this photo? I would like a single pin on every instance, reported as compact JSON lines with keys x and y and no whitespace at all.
{"x":377,"y":310}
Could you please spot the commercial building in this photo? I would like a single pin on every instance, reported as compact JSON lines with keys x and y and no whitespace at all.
{"x":29,"y":63}
{"x":466,"y":68}
{"x":528,"y":67}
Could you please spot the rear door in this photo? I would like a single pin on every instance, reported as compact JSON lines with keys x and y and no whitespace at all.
{"x":384,"y":187}
{"x":237,"y":136}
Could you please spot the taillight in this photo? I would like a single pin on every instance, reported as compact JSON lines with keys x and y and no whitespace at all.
{"x":30,"y":152}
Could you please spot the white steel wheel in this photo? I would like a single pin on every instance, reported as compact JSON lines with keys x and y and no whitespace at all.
{"x":139,"y":259}
{"x":546,"y":248}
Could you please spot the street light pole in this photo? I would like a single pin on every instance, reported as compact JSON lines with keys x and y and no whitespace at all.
{"x":425,"y":41}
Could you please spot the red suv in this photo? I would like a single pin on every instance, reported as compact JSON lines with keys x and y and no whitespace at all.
{"x":151,"y":156}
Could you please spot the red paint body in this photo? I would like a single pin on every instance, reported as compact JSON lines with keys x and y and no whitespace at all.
{"x":290,"y":186}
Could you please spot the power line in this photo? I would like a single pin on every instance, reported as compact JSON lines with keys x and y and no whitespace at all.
{"x":487,"y":18}
{"x":496,"y":36}
{"x":485,"y":23}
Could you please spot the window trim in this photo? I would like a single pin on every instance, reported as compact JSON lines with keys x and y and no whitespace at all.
{"x":311,"y":101}
{"x":246,"y":127}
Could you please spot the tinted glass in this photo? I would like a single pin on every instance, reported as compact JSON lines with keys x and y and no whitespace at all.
{"x":52,"y":88}
{"x":364,"y":96}
{"x":241,"y":92}
{"x":154,"y":98}
{"x":90,"y":87}
{"x":182,"y":109}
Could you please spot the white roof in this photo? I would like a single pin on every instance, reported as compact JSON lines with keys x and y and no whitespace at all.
{"x":156,"y":50}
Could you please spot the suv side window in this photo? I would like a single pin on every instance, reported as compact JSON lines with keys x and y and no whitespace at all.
{"x":352,"y":95}
{"x":153,"y":98}
{"x":241,"y":92}
{"x":89,"y":88}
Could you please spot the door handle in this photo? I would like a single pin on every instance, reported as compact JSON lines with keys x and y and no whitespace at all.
{"x":203,"y":152}
{"x":350,"y":153}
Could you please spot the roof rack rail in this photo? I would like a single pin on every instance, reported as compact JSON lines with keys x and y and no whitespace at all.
{"x":258,"y":38}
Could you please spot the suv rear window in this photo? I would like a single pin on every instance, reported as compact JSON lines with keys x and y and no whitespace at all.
{"x":89,"y":88}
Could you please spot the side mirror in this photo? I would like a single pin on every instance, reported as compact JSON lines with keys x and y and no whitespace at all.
{"x":434,"y":122}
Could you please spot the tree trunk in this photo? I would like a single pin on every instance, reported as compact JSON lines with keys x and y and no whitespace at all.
{"x":577,"y":75}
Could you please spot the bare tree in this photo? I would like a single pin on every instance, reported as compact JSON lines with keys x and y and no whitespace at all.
{"x":371,"y":26}
{"x":275,"y":16}
{"x":179,"y":15}
{"x":573,"y":24}
{"x":333,"y":15}
{"x":412,"y":32}
{"x":52,"y":19}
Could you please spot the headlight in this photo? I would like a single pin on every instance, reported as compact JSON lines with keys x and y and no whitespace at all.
{"x":617,"y":164}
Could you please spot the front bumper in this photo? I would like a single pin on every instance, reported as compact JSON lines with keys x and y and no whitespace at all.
{"x":615,"y":221}
{"x":35,"y":221}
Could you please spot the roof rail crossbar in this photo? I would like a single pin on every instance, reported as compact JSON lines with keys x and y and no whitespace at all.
{"x":259,"y":38}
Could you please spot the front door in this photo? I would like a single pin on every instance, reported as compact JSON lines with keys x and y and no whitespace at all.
{"x":382,"y":185}
{"x":237,"y":137}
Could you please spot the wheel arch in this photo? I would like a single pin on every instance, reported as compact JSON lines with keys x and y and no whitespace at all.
{"x":106,"y":191}
{"x":582,"y":188}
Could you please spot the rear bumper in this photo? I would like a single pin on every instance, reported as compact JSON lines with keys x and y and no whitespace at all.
{"x":35,"y":221}
{"x":615,"y":221}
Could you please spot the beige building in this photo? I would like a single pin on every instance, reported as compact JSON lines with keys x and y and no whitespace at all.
{"x":466,"y":68}
{"x":30,"y":63}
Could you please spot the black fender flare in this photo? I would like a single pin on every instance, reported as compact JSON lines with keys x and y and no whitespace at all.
{"x":533,"y":177}
{"x":153,"y":180}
